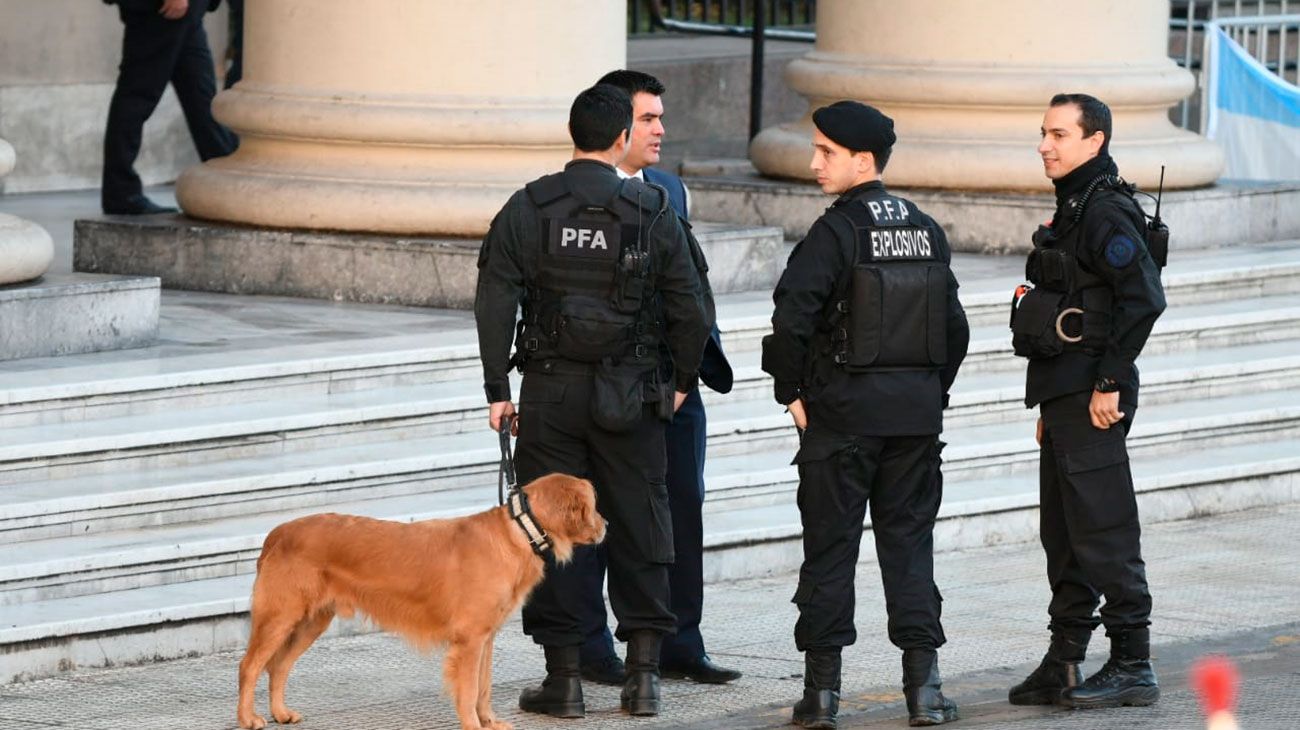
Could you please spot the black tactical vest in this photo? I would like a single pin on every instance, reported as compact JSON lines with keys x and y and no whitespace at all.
{"x":1068,"y":308}
{"x":893,"y":314}
{"x":592,"y":297}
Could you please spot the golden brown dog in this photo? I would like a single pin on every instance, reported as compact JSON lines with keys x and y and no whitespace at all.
{"x":437,"y":582}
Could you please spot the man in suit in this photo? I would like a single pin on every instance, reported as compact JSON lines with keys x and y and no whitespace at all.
{"x":682,"y":655}
{"x":164,"y":42}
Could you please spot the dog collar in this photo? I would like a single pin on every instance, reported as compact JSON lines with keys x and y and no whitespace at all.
{"x":538,"y":540}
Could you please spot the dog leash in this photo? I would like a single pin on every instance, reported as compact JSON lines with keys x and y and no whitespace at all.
{"x":506,"y":480}
{"x":509,"y":494}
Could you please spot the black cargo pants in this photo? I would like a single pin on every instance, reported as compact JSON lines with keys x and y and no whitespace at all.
{"x":1089,"y":519}
{"x":556,"y":434}
{"x":899,"y":478}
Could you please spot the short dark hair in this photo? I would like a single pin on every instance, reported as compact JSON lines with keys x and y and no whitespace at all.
{"x":1094,"y":115}
{"x":599,"y":116}
{"x":882,"y":158}
{"x":634,"y":82}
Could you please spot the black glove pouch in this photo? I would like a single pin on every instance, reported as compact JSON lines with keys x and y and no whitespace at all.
{"x":1033,"y":324}
{"x":617,"y":396}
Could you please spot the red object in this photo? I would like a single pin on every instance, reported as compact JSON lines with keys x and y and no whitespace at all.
{"x":1215,"y":680}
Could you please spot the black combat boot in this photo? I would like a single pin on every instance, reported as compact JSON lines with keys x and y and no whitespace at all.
{"x":821,"y":690}
{"x":641,"y":690}
{"x":1058,"y":671}
{"x":1127,"y":678}
{"x":561,"y":692}
{"x":926,"y":704}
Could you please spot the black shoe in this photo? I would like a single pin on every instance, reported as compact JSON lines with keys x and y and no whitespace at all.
{"x":606,"y":670}
{"x":922,"y":689}
{"x":701,"y":670}
{"x":1120,"y":682}
{"x":640,"y":694}
{"x":561,"y":692}
{"x":820,"y":706}
{"x":139,"y":205}
{"x":1058,"y":671}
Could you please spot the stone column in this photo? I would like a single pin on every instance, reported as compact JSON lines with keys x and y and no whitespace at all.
{"x":400,"y":117}
{"x":26,"y":250}
{"x":967,"y":84}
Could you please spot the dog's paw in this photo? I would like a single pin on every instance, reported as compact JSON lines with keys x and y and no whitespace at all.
{"x":495,"y":724}
{"x":252,"y":721}
{"x":286,"y":716}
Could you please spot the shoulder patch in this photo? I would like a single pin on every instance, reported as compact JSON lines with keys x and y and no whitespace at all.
{"x":1120,"y":250}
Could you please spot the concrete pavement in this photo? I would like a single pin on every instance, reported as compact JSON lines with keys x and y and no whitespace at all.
{"x":1221,"y":584}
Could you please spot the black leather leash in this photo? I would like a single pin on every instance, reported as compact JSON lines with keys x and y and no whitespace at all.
{"x":509,"y":494}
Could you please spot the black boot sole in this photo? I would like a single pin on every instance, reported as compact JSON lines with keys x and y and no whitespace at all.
{"x":823,"y":723}
{"x":1036,"y":697}
{"x":931,"y":719}
{"x":1131,"y":697}
{"x":640,"y":708}
{"x":568,"y":710}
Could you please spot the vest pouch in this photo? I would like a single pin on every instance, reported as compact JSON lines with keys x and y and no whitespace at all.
{"x":1050,"y":268}
{"x":898,"y":316}
{"x":587,"y":329}
{"x":1033,"y":324}
{"x":1096,"y":317}
{"x":866,"y":308}
{"x":617,"y":398}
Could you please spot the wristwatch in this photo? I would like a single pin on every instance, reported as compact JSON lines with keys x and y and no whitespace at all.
{"x":1105,"y":385}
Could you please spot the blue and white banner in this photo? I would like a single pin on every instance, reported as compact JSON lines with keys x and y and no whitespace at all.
{"x":1253,"y":114}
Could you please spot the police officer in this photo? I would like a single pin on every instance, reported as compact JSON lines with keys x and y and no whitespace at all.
{"x":604,"y":273}
{"x":866,"y":340}
{"x":1096,"y":294}
{"x":683,"y":654}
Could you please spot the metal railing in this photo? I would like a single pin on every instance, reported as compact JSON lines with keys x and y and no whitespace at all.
{"x":1268,"y":29}
{"x":705,"y":16}
{"x":751,"y":20}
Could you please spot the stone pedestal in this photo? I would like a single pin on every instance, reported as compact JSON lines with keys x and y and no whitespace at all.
{"x":66,"y":314}
{"x":399,"y":117}
{"x":354,"y":267}
{"x":967,"y":84}
{"x":25,"y":248}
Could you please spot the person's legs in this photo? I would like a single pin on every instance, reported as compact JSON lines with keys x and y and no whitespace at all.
{"x":150,"y":47}
{"x":195,"y":81}
{"x":904,"y":504}
{"x":835,"y":484}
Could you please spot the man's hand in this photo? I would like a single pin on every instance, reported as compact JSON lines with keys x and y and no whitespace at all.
{"x":678,"y":399}
{"x":503,"y":409}
{"x":174,"y":9}
{"x":1038,"y":433}
{"x":797,"y":413}
{"x":1104,"y":410}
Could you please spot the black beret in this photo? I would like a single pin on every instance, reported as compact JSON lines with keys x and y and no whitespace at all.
{"x":855,"y":125}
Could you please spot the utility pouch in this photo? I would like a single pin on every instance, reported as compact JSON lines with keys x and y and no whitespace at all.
{"x":1051,"y":268}
{"x":617,"y":396}
{"x":587,"y":330}
{"x":1033,"y":324}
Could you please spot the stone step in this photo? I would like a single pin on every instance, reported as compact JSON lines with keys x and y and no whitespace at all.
{"x":207,"y":615}
{"x":173,"y":377}
{"x":749,"y":465}
{"x":96,"y":503}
